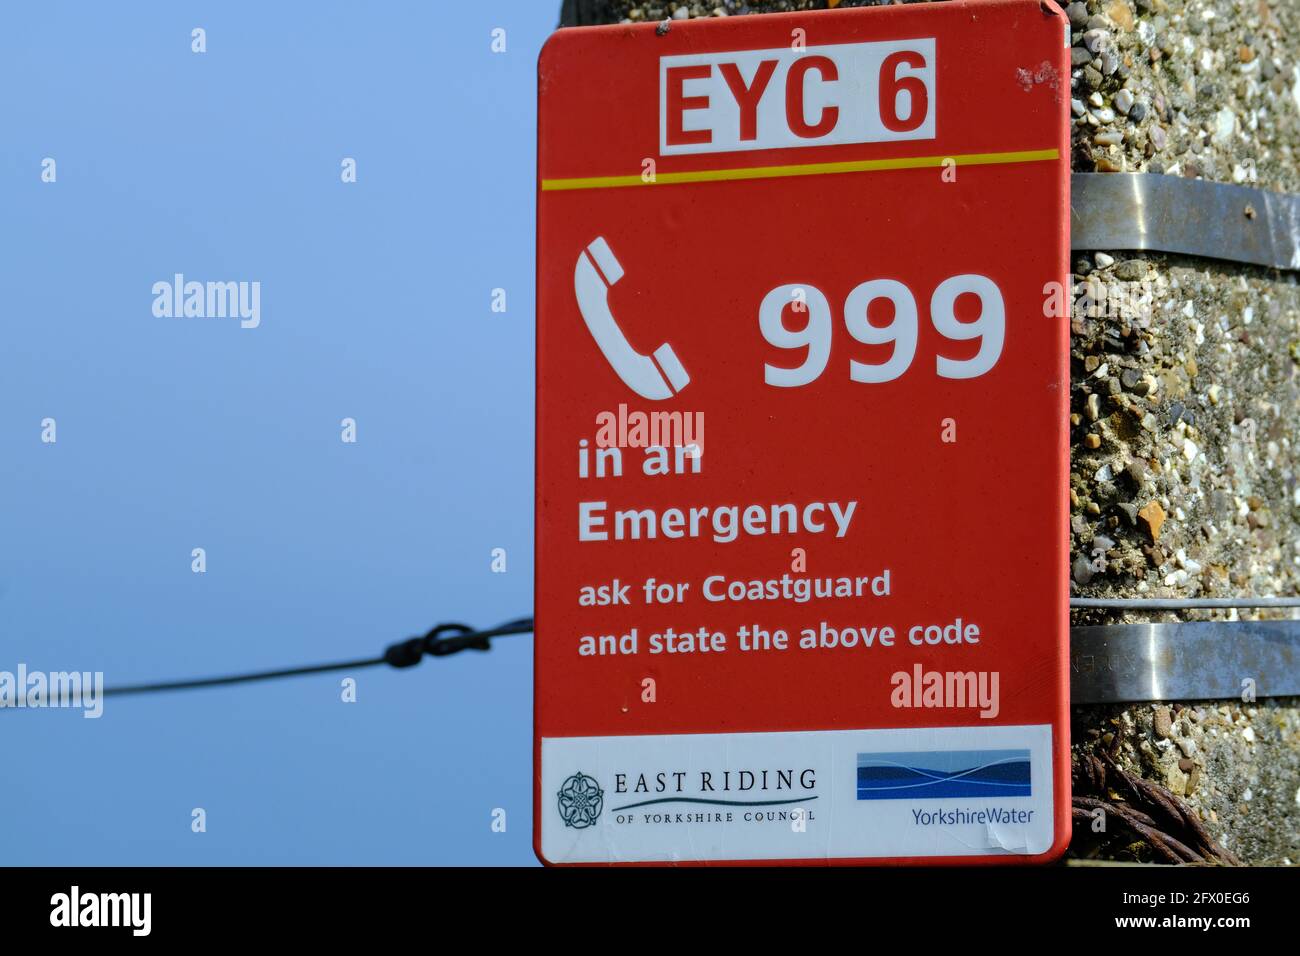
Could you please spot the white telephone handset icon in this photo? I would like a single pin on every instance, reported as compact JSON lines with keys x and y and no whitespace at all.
{"x":637,"y":371}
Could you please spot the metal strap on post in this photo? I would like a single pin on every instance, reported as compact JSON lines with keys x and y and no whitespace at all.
{"x":1187,"y":660}
{"x":1159,"y":213}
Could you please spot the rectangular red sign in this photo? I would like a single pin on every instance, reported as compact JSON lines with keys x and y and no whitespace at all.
{"x":801,"y":454}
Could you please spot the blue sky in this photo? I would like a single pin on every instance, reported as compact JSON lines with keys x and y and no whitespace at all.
{"x":180,"y":433}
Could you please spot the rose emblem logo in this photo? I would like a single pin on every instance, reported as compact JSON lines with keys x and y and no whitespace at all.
{"x":581,"y":801}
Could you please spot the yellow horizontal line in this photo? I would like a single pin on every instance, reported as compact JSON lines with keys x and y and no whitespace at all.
{"x":805,"y":169}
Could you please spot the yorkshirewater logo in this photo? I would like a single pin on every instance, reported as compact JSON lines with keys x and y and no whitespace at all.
{"x":55,"y":689}
{"x":208,"y":300}
{"x":943,"y":773}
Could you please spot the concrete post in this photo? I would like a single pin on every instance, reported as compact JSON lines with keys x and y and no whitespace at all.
{"x":1185,"y":408}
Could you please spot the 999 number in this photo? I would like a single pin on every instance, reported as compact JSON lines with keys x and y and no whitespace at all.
{"x":902,"y":330}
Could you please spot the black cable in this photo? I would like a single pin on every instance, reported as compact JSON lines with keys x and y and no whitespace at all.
{"x":1184,"y":604}
{"x":406,"y":653}
{"x":410,"y":652}
{"x":236,"y":678}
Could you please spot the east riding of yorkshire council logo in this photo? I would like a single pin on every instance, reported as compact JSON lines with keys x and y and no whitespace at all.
{"x":581,"y":801}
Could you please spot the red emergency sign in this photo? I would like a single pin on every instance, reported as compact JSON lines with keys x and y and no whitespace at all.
{"x":801,"y":456}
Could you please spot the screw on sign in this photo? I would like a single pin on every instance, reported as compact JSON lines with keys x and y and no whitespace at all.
{"x":798,"y":325}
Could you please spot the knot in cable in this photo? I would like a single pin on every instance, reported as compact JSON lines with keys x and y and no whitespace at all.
{"x":466,"y":639}
{"x":408,"y":653}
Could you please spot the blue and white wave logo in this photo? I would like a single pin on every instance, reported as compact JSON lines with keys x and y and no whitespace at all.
{"x":932,"y":775}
